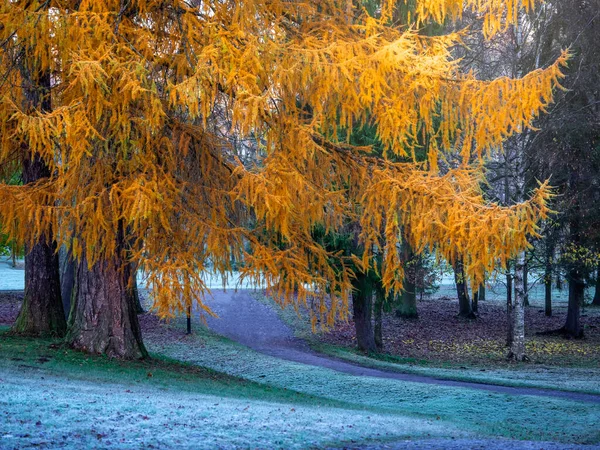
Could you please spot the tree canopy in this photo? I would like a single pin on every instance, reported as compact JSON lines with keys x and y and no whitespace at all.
{"x":144,"y":94}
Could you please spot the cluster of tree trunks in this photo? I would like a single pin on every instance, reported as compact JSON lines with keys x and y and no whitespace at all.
{"x":101,"y":299}
{"x":103,"y":303}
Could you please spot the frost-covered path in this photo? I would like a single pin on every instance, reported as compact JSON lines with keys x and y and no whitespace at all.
{"x":256,"y":325}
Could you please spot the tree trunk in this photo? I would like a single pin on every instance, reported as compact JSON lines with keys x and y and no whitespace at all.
{"x":378,"y":307}
{"x":362,"y":303}
{"x":575,"y":274}
{"x":517,"y":348}
{"x":103,"y":318}
{"x":408,"y":299}
{"x":596,"y":301}
{"x":576,"y":291}
{"x":526,"y":282}
{"x":14,"y":250}
{"x":482,"y":292}
{"x":558,"y":282}
{"x":476,"y":301}
{"x":42,"y":311}
{"x":464,"y":302}
{"x":408,"y":303}
{"x":67,"y":278}
{"x":548,"y":284}
{"x":134,"y":291}
{"x":509,"y":307}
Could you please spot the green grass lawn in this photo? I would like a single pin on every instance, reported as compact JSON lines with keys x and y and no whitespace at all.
{"x":204,"y":391}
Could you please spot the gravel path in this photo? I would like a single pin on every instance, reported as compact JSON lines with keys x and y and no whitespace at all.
{"x":246,"y":320}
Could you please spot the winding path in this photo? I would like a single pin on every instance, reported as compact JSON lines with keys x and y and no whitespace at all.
{"x":244,"y":319}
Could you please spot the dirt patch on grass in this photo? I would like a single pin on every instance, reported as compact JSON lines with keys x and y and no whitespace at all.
{"x":441,"y":336}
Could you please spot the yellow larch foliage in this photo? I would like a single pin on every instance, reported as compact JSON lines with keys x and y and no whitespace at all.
{"x":145,"y":93}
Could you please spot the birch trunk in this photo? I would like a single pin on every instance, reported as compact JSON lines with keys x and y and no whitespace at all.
{"x":517,"y":348}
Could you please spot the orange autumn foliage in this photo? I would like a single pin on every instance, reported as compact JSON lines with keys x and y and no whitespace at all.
{"x":134,"y":140}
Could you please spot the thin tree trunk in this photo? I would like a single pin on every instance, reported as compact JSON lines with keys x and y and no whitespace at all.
{"x":596,"y":300}
{"x":509,"y":307}
{"x":517,"y":348}
{"x":548,"y":283}
{"x":14,"y":250}
{"x":482,"y":292}
{"x":134,"y":291}
{"x":464,"y":302}
{"x":42,"y":311}
{"x":526,"y":281}
{"x":378,"y":307}
{"x":67,"y":278}
{"x":362,"y":304}
{"x":103,"y":318}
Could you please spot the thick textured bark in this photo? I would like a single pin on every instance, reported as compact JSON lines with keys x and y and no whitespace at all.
{"x":596,"y":300}
{"x":67,"y":278}
{"x":462,"y":292}
{"x":576,"y":291}
{"x":103,"y":318}
{"x":509,"y":306}
{"x":42,"y":311}
{"x":362,"y":303}
{"x":378,"y":311}
{"x":517,"y":348}
{"x":548,"y":284}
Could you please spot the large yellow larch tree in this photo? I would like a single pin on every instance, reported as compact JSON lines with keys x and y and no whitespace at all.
{"x":138,"y":173}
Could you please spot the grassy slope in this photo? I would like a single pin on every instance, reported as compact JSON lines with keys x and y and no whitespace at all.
{"x":584,"y":379}
{"x":52,"y":396}
{"x":481,"y":412}
{"x":246,"y":399}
